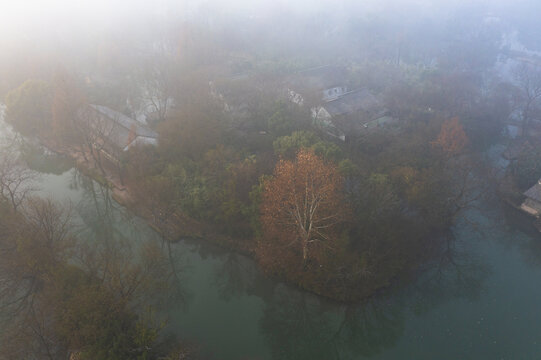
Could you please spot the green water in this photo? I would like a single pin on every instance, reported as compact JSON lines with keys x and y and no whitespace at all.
{"x":479,"y":301}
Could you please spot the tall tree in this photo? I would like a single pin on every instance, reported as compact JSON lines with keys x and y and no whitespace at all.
{"x":302,"y":207}
{"x":528,"y":78}
{"x":94,"y":131}
{"x":28,"y":107}
{"x":159,"y":79}
{"x":452,"y":139}
{"x":16,"y":180}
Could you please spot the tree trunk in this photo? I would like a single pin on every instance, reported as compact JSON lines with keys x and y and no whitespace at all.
{"x":120,"y":172}
{"x":304,"y":251}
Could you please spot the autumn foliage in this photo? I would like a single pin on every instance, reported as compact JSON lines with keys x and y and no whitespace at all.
{"x":452,"y":139}
{"x":301,"y":209}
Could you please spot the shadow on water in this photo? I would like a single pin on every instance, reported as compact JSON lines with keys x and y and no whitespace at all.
{"x":455,"y":274}
{"x":298,"y":325}
{"x":235,"y":277}
{"x":525,"y":236}
{"x":111,"y":233}
{"x":43,"y":161}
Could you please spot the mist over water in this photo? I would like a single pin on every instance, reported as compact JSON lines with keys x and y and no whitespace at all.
{"x":273,"y":179}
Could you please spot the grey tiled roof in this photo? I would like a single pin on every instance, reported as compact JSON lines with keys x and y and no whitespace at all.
{"x":125,"y":122}
{"x":534,"y":192}
{"x":123,"y":131}
{"x":359,"y":100}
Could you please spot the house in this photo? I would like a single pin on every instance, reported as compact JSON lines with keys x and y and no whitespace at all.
{"x":351,"y":112}
{"x":319,"y":84}
{"x":352,"y":102}
{"x":336,"y":109}
{"x":532,"y":204}
{"x":119,"y":132}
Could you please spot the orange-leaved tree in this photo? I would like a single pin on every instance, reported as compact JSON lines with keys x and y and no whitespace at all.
{"x":452,"y":138}
{"x":301,"y":208}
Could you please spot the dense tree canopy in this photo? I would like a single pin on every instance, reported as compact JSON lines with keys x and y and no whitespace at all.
{"x":28,"y":107}
{"x":452,"y":139}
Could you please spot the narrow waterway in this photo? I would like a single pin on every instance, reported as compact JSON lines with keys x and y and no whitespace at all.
{"x":479,"y":301}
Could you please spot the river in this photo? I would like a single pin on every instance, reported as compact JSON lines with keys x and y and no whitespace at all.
{"x":479,"y":301}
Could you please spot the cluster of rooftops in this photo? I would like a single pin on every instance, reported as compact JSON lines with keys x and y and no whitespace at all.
{"x":336,"y":108}
{"x":326,"y":89}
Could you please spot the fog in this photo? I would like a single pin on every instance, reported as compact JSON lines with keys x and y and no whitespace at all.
{"x":61,"y":20}
{"x":347,"y":148}
{"x":33,"y":16}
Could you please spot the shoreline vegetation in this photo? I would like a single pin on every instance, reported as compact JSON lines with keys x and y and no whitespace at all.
{"x":175,"y":228}
{"x":362,"y":214}
{"x":179,"y":226}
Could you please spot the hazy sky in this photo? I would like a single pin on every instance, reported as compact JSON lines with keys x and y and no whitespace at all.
{"x":42,"y":16}
{"x":24,"y":12}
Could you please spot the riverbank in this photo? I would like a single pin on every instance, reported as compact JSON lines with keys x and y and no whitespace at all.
{"x":176,"y":227}
{"x":180,"y":226}
{"x":331,"y":282}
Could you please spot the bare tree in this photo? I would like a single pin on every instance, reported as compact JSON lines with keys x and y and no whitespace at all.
{"x":158,"y":78}
{"x":34,"y":245}
{"x":528,"y":79}
{"x":46,"y":292}
{"x":16,"y":180}
{"x":96,"y":132}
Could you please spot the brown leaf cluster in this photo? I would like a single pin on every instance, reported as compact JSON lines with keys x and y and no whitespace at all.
{"x":452,"y":138}
{"x":301,"y":209}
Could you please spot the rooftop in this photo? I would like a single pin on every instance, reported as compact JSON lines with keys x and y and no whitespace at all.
{"x":534,"y":192}
{"x":125,"y":129}
{"x":352,"y":102}
{"x":125,"y":121}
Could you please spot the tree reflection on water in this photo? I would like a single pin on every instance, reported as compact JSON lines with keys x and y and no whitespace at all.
{"x":294,"y":324}
{"x":298,"y":326}
{"x":124,"y":246}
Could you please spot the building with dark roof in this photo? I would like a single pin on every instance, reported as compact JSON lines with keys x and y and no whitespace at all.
{"x":352,"y":112}
{"x":532,"y":204}
{"x":120,"y":131}
{"x":335,"y":109}
{"x":352,"y":102}
{"x":317,"y":84}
